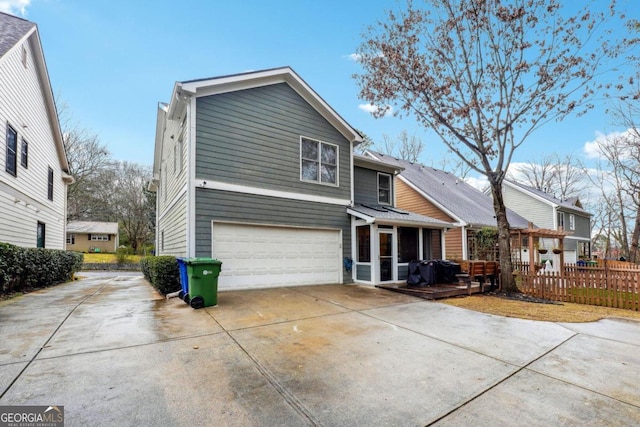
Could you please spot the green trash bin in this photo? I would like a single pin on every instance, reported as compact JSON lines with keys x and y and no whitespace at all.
{"x":203,"y":281}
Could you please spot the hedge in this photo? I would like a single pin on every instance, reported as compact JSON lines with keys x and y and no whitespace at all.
{"x":28,"y":268}
{"x":162,"y":272}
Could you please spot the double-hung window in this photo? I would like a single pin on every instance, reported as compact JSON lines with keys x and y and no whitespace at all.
{"x":572,"y":222}
{"x":318,"y":162}
{"x":11,"y":164}
{"x":384,"y":188}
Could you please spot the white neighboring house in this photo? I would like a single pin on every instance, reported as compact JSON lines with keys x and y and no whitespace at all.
{"x":35,"y":172}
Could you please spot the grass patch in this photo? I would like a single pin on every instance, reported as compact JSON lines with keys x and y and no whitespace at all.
{"x":110,"y":258}
{"x":565,"y":312}
{"x":601,"y":297}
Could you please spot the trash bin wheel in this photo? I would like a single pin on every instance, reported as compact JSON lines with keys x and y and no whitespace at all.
{"x":186,"y":298}
{"x":181,"y":295}
{"x":197,"y":302}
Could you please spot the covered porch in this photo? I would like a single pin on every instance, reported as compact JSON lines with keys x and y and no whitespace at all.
{"x":387,"y":239}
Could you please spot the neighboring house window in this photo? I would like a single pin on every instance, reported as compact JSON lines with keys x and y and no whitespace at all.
{"x":572,"y":222}
{"x":364,"y":243}
{"x":11,"y":165}
{"x":318,"y":162}
{"x":41,"y":235}
{"x":24,"y":158}
{"x":407,"y":244}
{"x":99,"y":237}
{"x":384,"y":188}
{"x":560,"y":219}
{"x":50,"y":185}
{"x":71,"y":239}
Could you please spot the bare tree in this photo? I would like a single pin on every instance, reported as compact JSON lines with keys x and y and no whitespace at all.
{"x":130,"y":202}
{"x":618,"y":180}
{"x":454,"y":165}
{"x":366,"y":143}
{"x":89,"y":164}
{"x":484,"y":75}
{"x":564,"y":178}
{"x":405,"y":147}
{"x":627,"y":114}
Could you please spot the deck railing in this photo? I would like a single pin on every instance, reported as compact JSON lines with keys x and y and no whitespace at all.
{"x":606,"y":284}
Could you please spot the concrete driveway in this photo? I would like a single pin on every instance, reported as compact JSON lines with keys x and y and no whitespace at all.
{"x":114,"y":352}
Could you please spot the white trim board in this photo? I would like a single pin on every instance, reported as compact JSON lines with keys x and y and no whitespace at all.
{"x":237,"y":188}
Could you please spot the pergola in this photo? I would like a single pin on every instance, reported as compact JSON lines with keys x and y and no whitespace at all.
{"x":534,"y":235}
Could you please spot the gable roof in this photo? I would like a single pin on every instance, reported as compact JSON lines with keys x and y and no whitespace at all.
{"x":453,"y":196}
{"x":14,"y":31}
{"x":183,"y":91}
{"x":572,"y":203}
{"x":235,"y":82}
{"x":92,"y":227}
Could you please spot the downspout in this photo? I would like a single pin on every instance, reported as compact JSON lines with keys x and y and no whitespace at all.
{"x":464,"y":237}
{"x":191,"y":177}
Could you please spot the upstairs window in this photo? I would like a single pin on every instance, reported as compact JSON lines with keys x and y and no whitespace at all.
{"x":318,"y":162}
{"x":24,"y":158}
{"x":572,"y":222}
{"x":11,"y":164}
{"x":50,"y":185}
{"x":384,"y":189}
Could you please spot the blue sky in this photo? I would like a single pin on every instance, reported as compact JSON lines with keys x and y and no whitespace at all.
{"x":112,"y":61}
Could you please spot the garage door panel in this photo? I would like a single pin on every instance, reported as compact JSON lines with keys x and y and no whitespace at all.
{"x":261,"y":256}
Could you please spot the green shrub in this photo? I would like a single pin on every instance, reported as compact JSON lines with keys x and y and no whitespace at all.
{"x":162,"y":272}
{"x":121,"y":255}
{"x":35,"y":267}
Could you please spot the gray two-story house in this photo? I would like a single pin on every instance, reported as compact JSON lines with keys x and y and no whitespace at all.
{"x":546,"y":211}
{"x":257,"y":170}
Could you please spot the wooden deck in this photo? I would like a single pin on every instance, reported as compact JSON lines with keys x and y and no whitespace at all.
{"x":433,"y":292}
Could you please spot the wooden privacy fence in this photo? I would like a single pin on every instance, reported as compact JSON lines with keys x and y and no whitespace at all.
{"x":616,"y":286}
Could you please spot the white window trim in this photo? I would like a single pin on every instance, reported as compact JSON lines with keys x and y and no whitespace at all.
{"x":99,"y":237}
{"x":319,"y":181}
{"x":572,"y":222}
{"x":390,"y":188}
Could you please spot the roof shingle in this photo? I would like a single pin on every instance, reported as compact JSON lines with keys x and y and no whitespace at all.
{"x":12,"y":29}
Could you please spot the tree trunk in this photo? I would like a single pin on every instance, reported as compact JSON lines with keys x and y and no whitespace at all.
{"x":507,"y":280}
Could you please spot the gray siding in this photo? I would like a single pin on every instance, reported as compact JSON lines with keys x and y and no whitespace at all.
{"x":582,"y":225}
{"x":174,"y":225}
{"x":529,"y":208}
{"x":252,"y":137}
{"x":229,"y":206}
{"x":365,"y":186}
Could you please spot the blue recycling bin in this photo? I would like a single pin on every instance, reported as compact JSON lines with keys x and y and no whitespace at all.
{"x":184,"y":280}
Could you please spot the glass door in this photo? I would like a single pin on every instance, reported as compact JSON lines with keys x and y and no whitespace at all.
{"x":386,"y":255}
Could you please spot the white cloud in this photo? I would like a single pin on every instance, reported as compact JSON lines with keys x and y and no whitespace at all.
{"x":355,"y":57}
{"x":15,"y":7}
{"x":592,"y":149}
{"x":480,"y":182}
{"x":374,"y":108}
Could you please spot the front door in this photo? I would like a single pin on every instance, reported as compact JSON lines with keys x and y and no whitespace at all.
{"x":385,"y":238}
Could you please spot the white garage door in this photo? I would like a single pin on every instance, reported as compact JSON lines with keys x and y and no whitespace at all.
{"x":259,"y":256}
